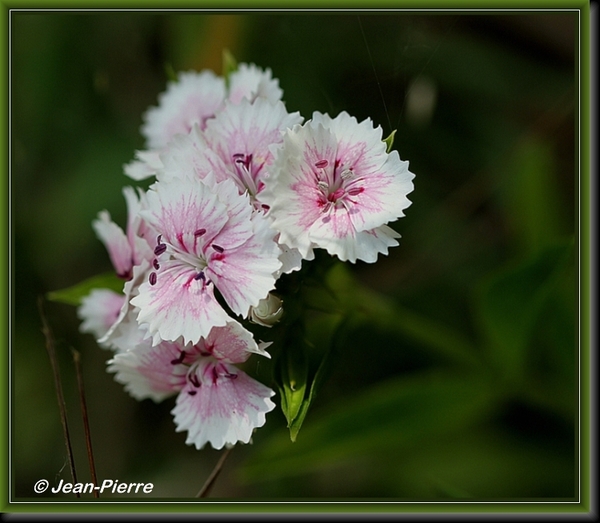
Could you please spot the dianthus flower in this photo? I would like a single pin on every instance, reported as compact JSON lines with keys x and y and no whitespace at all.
{"x":217,"y":403}
{"x":332,"y":185}
{"x":209,"y":237}
{"x":192,"y":100}
{"x":235,"y":145}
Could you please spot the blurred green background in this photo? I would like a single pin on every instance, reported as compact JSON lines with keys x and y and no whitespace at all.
{"x":460,"y":383}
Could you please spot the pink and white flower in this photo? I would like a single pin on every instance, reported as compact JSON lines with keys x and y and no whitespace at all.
{"x":192,"y":100}
{"x":217,"y":403}
{"x":332,"y":185}
{"x":235,"y":145}
{"x":209,"y":237}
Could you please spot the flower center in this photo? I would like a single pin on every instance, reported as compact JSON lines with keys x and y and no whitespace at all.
{"x":194,"y":257}
{"x":203,"y":370}
{"x":337,"y":185}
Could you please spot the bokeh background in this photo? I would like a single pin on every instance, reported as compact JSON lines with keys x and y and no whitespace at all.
{"x":461,"y":383}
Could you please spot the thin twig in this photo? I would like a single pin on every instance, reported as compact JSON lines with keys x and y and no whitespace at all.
{"x":58,"y":386}
{"x":86,"y":424}
{"x":205,"y":490}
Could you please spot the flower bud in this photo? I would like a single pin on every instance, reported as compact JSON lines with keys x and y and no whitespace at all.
{"x":268,"y":311}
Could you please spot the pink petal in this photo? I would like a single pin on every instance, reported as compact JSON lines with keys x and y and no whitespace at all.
{"x":179,"y":208}
{"x":116,"y":242}
{"x":224,"y":412}
{"x":178,"y":305}
{"x":149,"y":372}
{"x":245,"y":273}
{"x":231,"y":344}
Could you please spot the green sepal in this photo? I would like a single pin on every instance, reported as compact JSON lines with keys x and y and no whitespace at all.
{"x":73,"y":295}
{"x":229,"y":64}
{"x":291,"y":373}
{"x":319,"y":378}
{"x":389,"y":141}
{"x":170,"y":72}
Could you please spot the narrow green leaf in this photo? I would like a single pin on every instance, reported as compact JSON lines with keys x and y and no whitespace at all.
{"x":73,"y":295}
{"x":532,"y":196}
{"x":381,"y":312}
{"x":510,"y":302}
{"x":389,"y":141}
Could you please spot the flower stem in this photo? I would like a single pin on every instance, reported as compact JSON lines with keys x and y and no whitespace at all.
{"x":58,"y":386}
{"x":206,"y":488}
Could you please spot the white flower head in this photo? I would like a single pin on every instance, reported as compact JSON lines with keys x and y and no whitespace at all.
{"x":209,"y":237}
{"x":217,"y":403}
{"x":191,"y":100}
{"x":332,"y":185}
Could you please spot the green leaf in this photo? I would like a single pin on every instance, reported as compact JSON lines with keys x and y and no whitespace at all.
{"x":387,"y":417}
{"x":383,"y":313}
{"x":509,"y":305}
{"x":532,"y":196}
{"x":73,"y":295}
{"x":389,"y":141}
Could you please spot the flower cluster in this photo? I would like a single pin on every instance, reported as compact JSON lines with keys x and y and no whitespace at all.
{"x":242,"y":192}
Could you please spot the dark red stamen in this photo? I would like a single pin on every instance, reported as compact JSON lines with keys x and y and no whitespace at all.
{"x":192,"y":392}
{"x":194,"y":380}
{"x":199,"y":276}
{"x":160,"y":248}
{"x":155,"y":264}
{"x":321,"y":164}
{"x":179,"y":359}
{"x":152,"y":278}
{"x":199,"y":232}
{"x":217,"y":248}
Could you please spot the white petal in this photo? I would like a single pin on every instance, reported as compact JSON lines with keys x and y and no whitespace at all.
{"x":99,"y":310}
{"x":146,"y":164}
{"x":178,"y":305}
{"x":149,"y":372}
{"x":249,"y":82}
{"x":223,"y":413}
{"x":233,"y":343}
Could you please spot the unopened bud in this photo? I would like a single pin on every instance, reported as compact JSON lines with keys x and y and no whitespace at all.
{"x":268,"y":311}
